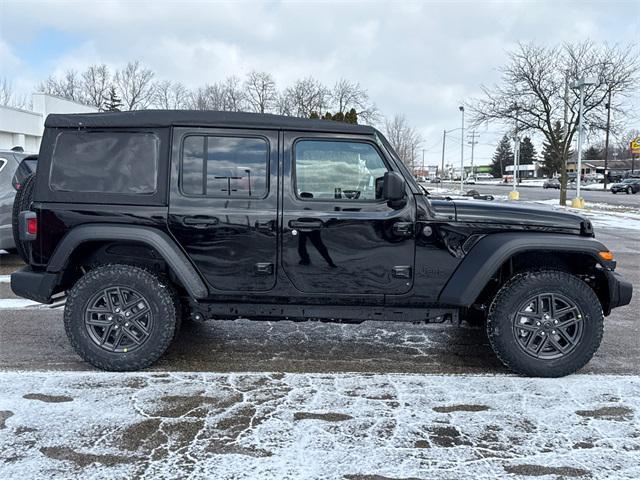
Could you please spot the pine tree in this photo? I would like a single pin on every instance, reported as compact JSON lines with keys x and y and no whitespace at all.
{"x":314,"y":115}
{"x":112,"y":103}
{"x":338,"y":117}
{"x":553,"y":162}
{"x":351,"y":116}
{"x":502,"y":157}
{"x":528,"y":152}
{"x":592,"y":153}
{"x":328,"y":116}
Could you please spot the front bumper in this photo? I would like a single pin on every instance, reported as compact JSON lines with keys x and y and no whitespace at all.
{"x":39,"y":286}
{"x":620,"y":291}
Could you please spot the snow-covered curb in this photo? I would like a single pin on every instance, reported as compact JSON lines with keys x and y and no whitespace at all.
{"x":312,"y":426}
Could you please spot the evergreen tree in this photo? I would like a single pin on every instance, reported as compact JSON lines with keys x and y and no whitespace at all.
{"x":351,"y":116}
{"x":502,"y":157}
{"x":527,"y":152}
{"x":328,"y":116}
{"x":593,"y":153}
{"x":551,"y":160}
{"x":338,"y":117}
{"x":112,"y":103}
{"x":314,"y":115}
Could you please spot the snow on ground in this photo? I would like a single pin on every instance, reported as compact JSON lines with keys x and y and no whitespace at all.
{"x":329,"y":426}
{"x":604,"y":215}
{"x":5,"y":278}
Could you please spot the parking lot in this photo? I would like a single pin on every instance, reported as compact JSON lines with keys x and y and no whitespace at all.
{"x":375,"y":400}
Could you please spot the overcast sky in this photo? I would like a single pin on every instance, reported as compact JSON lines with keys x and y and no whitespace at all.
{"x":418,"y":58}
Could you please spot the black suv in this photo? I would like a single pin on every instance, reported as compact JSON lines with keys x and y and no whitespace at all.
{"x":149,"y":218}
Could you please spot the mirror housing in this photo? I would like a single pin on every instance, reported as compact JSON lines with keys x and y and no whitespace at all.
{"x":394,"y":189}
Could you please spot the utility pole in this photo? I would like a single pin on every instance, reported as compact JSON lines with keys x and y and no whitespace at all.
{"x":578,"y":202}
{"x":444,"y":141}
{"x":606,"y":141}
{"x":422,"y":162}
{"x":473,"y":142}
{"x":461,"y":108}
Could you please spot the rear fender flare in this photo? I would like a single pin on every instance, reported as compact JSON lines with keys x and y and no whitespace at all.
{"x":175,"y":258}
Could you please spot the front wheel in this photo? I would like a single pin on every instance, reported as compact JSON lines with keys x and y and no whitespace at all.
{"x":545,"y":324}
{"x":121,"y":317}
{"x":629,"y":191}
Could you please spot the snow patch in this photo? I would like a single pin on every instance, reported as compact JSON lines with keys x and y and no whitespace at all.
{"x":330,"y":426}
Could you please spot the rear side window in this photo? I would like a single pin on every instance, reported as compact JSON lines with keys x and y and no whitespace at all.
{"x":105,"y":162}
{"x":222,"y":166}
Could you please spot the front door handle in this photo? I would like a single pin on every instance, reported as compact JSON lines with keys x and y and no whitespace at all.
{"x":200,"y":221}
{"x":306,"y":225}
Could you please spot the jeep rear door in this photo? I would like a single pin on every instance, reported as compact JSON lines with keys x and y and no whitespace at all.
{"x":339,"y":236}
{"x":223,"y":205}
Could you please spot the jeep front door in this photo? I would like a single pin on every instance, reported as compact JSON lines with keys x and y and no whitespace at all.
{"x":339,"y":236}
{"x":223,"y":205}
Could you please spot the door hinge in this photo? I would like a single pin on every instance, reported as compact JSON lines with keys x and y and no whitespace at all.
{"x":263,"y":268}
{"x":402,"y":271}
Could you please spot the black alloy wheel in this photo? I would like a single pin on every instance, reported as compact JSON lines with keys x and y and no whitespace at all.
{"x":548,"y":326}
{"x":118,"y":319}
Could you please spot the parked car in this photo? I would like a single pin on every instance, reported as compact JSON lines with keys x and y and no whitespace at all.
{"x":436,"y":180}
{"x":484,"y":176}
{"x":470,"y":180}
{"x":551,"y":183}
{"x":629,"y":185}
{"x":227,"y":215}
{"x":9,"y":163}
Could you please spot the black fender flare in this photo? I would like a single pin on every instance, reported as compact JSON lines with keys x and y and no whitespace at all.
{"x":490,"y":252}
{"x":172,"y":254}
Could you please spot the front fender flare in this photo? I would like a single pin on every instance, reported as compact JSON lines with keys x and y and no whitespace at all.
{"x":490,"y":252}
{"x":159,"y":240}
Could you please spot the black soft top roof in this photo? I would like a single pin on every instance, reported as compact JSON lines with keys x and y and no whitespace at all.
{"x":166,"y":118}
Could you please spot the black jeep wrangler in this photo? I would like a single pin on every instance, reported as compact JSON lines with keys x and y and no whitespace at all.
{"x":147,"y":218}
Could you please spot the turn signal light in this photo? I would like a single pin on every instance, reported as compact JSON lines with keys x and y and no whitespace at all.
{"x":608,"y":256}
{"x":32,"y":226}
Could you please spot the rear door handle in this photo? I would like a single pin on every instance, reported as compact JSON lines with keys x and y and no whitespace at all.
{"x":306,"y":225}
{"x":200,"y":222}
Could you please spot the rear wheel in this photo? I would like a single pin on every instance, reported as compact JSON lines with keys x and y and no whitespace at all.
{"x":545,"y":324}
{"x":121,"y":317}
{"x":22,"y":202}
{"x":629,"y":190}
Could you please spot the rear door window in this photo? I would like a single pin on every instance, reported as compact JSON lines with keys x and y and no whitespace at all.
{"x":105,"y":162}
{"x":225,"y":166}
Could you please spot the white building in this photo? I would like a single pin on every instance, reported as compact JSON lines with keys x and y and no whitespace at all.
{"x":24,"y":128}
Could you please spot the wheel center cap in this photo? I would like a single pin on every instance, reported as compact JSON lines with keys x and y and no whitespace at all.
{"x":547,"y":325}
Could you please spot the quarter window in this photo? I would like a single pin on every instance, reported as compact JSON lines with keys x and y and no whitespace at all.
{"x":105,"y":162}
{"x":220,"y":166}
{"x":338,"y":170}
{"x":3,"y":162}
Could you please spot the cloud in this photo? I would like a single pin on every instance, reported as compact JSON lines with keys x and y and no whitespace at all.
{"x":421,"y":59}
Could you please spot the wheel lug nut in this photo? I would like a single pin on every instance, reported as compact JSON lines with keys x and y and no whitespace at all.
{"x":117,"y":310}
{"x":126,"y":324}
{"x":110,"y":318}
{"x":537,"y":324}
{"x":127,"y":314}
{"x":553,"y":332}
{"x":115,"y":327}
{"x":555,"y":322}
{"x":542,"y":333}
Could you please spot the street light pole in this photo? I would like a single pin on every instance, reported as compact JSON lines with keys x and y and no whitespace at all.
{"x":578,"y":202}
{"x":444,"y":141}
{"x":606,"y":141}
{"x":461,"y":108}
{"x":473,"y":143}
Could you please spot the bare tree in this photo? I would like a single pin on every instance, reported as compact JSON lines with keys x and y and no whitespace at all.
{"x":233,"y":94}
{"x":8,"y":97}
{"x":304,"y":97}
{"x":404,"y":139}
{"x":69,"y":86}
{"x":170,"y":95}
{"x":535,"y":91}
{"x":96,"y":80}
{"x":208,"y":97}
{"x":261,"y":93}
{"x":346,"y":95}
{"x":135,"y":85}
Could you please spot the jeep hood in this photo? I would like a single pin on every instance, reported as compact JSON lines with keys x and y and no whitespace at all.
{"x":517,"y":216}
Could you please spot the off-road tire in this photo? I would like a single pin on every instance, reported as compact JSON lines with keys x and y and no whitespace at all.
{"x":163,"y":306}
{"x":22,"y":202}
{"x":516,"y":291}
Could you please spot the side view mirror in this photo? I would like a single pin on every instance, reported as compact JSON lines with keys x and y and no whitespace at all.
{"x":394,"y":188}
